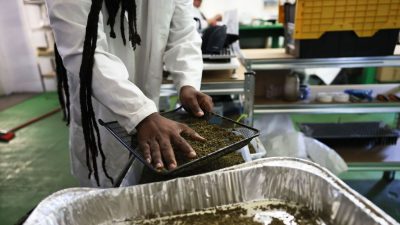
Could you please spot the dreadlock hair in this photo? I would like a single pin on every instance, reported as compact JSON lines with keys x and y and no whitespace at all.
{"x":90,"y":128}
{"x":62,"y":86}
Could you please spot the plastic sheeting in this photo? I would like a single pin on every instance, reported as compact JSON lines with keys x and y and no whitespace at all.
{"x":280,"y":139}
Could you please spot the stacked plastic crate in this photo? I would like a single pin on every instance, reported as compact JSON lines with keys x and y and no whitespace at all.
{"x":340,"y":28}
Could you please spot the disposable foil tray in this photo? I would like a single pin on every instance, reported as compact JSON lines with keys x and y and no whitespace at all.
{"x":130,"y":142}
{"x":283,"y":179}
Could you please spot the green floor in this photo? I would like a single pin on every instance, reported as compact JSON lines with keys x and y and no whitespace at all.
{"x":36,"y":164}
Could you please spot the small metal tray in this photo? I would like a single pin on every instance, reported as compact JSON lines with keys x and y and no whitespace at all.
{"x":179,"y":115}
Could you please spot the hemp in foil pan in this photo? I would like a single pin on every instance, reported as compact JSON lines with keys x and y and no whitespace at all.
{"x":281,"y":179}
{"x":253,"y":213}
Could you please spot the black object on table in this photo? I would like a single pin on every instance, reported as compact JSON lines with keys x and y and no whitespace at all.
{"x":354,"y":133}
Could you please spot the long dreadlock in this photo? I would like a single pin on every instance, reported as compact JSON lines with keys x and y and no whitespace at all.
{"x":90,"y":128}
{"x":62,"y":86}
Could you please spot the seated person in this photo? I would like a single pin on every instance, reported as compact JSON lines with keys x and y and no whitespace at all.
{"x":201,"y":19}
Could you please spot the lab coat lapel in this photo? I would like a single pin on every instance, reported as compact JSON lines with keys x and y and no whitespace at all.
{"x":157,"y":32}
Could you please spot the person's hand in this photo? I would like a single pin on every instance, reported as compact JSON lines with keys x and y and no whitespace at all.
{"x":218,"y":17}
{"x":156,"y":136}
{"x":214,"y":20}
{"x":194,"y":101}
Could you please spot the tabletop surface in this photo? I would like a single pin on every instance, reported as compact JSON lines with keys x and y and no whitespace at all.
{"x":278,"y":53}
{"x":219,"y":76}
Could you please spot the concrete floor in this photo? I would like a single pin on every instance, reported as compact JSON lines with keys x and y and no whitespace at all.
{"x":14,"y":99}
{"x":36,"y":163}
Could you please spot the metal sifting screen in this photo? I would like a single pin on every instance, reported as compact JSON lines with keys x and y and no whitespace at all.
{"x":179,"y":115}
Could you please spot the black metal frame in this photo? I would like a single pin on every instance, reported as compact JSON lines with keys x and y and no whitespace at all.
{"x":125,"y":139}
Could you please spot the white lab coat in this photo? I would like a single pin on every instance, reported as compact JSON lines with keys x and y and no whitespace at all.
{"x":202,"y":22}
{"x":126,"y":83}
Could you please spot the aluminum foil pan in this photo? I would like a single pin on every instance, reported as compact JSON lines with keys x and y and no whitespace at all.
{"x":283,"y":179}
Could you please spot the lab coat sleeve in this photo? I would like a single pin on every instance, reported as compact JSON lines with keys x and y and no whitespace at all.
{"x":183,"y":58}
{"x":110,"y":85}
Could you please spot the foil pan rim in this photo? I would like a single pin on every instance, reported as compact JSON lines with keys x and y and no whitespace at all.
{"x":60,"y":203}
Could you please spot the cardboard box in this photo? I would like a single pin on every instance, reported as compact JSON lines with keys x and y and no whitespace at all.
{"x":269,"y":83}
{"x":388,"y":74}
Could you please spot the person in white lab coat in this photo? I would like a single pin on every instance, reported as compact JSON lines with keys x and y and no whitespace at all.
{"x":203,"y":22}
{"x":109,"y":80}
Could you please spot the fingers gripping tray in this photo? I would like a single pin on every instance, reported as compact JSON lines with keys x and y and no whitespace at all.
{"x":243,"y":133}
{"x":275,"y":179}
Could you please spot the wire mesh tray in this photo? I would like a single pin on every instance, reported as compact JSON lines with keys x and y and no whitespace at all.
{"x":376,"y":133}
{"x":224,"y":56}
{"x":225,"y":53}
{"x":129,"y":141}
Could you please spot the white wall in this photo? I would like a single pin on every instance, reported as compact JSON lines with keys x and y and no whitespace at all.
{"x":247,"y":9}
{"x":4,"y":78}
{"x":18,"y":69}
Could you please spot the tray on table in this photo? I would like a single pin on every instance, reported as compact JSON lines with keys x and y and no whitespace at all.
{"x":179,"y":115}
{"x":352,"y":133}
